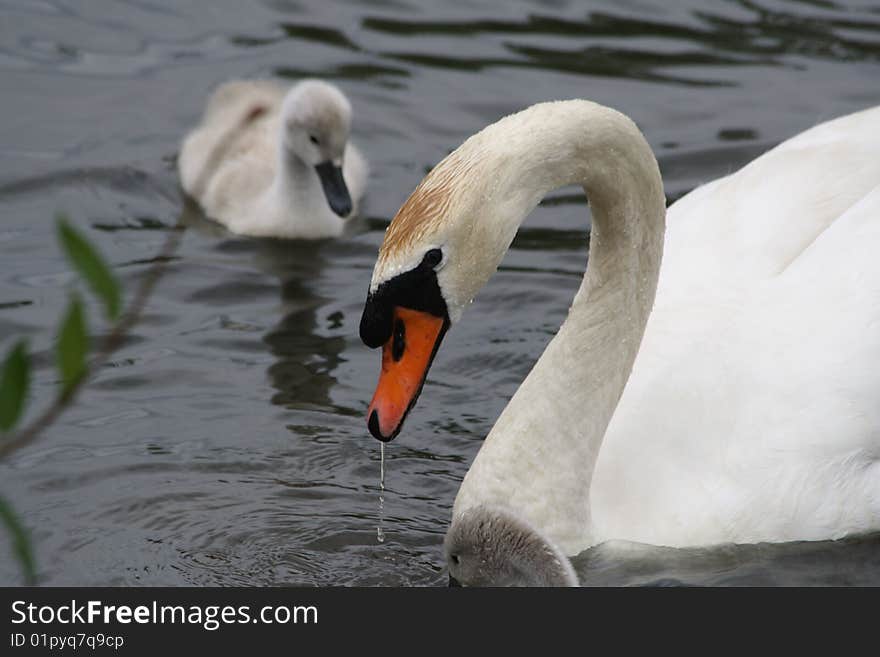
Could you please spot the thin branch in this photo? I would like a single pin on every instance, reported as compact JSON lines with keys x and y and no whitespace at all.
{"x":135,"y":309}
{"x":110,"y":344}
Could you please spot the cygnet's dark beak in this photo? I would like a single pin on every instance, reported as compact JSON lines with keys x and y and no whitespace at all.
{"x":334,"y":188}
{"x":453,"y":581}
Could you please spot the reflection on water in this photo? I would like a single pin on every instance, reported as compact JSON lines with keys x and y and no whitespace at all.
{"x":225,"y":443}
{"x":304,"y":359}
{"x":301,"y":384}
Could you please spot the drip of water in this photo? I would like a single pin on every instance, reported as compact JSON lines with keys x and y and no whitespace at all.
{"x":380,"y":533}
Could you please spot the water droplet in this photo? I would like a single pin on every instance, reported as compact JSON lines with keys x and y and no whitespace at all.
{"x":380,"y":533}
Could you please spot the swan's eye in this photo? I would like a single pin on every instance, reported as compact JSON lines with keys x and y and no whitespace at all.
{"x":433,"y":258}
{"x":454,"y":559}
{"x":314,"y":140}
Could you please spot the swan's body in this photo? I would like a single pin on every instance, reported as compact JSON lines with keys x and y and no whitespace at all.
{"x":751,"y":412}
{"x":251,"y":163}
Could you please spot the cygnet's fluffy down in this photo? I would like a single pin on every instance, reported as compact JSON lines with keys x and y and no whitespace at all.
{"x":271,"y":162}
{"x":491,"y":546}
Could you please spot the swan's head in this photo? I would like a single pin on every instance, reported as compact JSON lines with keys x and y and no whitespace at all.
{"x":315,"y":125}
{"x":488,"y":546}
{"x":442,"y":246}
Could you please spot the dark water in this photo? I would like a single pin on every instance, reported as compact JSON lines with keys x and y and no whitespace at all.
{"x":226,"y":443}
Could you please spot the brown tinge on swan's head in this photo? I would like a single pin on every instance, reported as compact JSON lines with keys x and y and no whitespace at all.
{"x":422,"y":214}
{"x":406,"y":312}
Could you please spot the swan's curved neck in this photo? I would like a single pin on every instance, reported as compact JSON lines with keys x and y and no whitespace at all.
{"x":539,"y":457}
{"x":293,"y":176}
{"x":296,"y":197}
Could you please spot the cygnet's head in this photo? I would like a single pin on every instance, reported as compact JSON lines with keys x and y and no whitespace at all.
{"x":315,"y":125}
{"x":489,"y":546}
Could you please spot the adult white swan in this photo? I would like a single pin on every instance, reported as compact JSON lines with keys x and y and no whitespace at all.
{"x":275,"y":163}
{"x":752,"y":412}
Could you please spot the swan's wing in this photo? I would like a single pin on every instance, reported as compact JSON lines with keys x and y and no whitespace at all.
{"x":785,"y":300}
{"x":751,"y":412}
{"x":237,"y":93}
{"x":227,"y":142}
{"x":755,"y":222}
{"x":754,"y":415}
{"x":828,"y":301}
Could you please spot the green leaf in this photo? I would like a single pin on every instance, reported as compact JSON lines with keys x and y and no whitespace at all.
{"x":21,"y":542}
{"x":14,"y":383}
{"x":73,"y":345}
{"x":91,"y":266}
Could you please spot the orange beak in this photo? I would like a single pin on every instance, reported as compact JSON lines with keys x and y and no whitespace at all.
{"x":406,"y":358}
